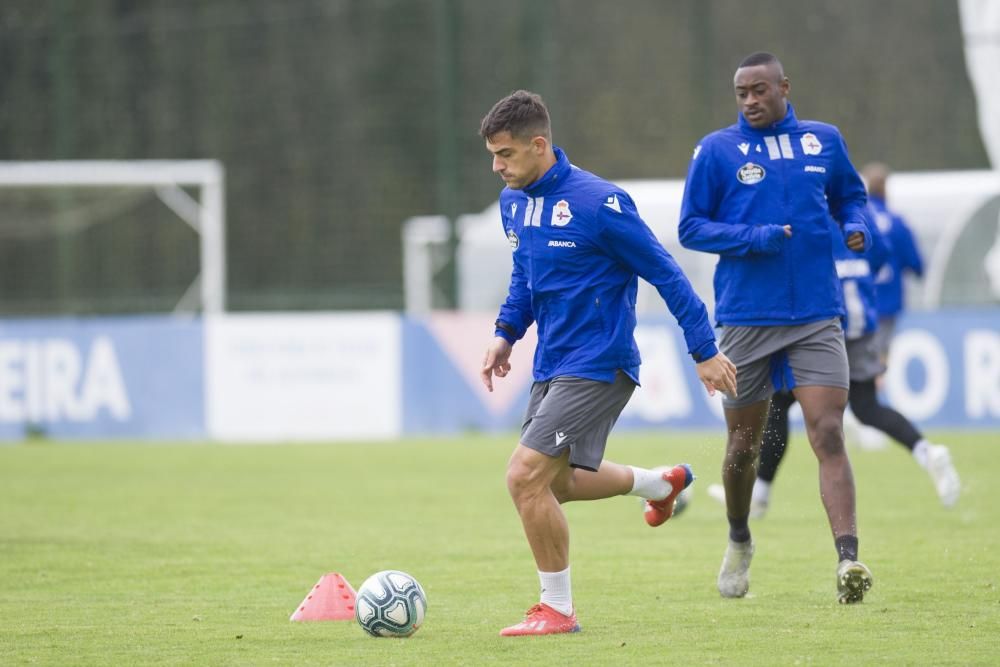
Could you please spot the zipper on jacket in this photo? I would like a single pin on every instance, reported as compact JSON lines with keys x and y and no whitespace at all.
{"x":600,"y":315}
{"x":789,"y":268}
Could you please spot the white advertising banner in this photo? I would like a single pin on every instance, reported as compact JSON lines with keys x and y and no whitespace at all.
{"x":273,"y":377}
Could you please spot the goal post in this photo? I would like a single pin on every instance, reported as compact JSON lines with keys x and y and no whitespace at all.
{"x":205,"y":214}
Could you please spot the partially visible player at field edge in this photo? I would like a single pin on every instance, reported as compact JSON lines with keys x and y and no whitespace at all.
{"x":578,"y":245}
{"x":759,"y":194}
{"x":904,"y":256}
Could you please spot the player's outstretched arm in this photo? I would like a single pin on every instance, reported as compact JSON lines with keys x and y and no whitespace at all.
{"x":718,"y":374}
{"x":496,"y":362}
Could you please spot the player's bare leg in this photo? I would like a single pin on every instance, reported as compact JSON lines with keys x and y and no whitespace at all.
{"x":658,"y":487}
{"x":823,"y":411}
{"x":739,"y":468}
{"x":530,"y":475}
{"x":611,"y":479}
{"x":745,"y":428}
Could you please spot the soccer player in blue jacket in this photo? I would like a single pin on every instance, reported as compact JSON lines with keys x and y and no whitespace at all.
{"x":578,"y":245}
{"x":857,"y":279}
{"x":759,"y":194}
{"x":904,"y":256}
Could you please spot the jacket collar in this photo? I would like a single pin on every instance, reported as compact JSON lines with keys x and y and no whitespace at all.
{"x":552,"y":178}
{"x":788,"y":123}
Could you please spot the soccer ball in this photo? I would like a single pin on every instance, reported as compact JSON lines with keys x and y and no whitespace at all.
{"x":390,"y":604}
{"x":682,"y":501}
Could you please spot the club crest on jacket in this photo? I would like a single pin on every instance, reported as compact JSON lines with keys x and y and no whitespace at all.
{"x":561,"y":214}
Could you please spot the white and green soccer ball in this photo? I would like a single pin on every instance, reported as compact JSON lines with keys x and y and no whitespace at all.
{"x":390,"y":604}
{"x":682,"y":501}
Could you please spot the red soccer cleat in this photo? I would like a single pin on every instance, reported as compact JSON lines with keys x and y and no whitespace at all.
{"x":542,"y":620}
{"x":658,"y":511}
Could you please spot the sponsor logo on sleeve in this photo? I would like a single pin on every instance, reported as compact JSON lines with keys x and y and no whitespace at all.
{"x":750,"y":173}
{"x":512,"y":238}
{"x":815,"y":168}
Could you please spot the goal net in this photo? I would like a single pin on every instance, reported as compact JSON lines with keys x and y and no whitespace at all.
{"x":84,"y":237}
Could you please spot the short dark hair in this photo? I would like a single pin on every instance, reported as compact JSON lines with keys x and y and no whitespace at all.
{"x":759,"y":58}
{"x":522,"y":113}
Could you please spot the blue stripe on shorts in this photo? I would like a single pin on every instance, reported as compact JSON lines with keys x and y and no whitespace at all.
{"x":781,"y":372}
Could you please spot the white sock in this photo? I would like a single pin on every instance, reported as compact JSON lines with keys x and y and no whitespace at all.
{"x":920,"y":452}
{"x":649,"y":484}
{"x":556,"y":591}
{"x":761,"y":491}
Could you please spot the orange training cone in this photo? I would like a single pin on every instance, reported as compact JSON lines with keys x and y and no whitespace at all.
{"x":331,"y":599}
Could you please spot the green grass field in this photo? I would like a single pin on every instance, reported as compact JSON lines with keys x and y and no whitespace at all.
{"x":143,"y":554}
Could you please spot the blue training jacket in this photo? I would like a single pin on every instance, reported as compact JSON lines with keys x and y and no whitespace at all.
{"x":903,"y":256}
{"x":743,"y":186}
{"x":578,"y":244}
{"x":857,"y":281}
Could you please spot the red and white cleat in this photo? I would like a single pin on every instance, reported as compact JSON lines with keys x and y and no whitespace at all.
{"x":542,"y":620}
{"x":658,"y":511}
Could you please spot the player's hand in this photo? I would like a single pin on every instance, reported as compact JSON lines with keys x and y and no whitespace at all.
{"x":856,"y":242}
{"x":769,"y":239}
{"x":496,"y":362}
{"x":718,"y":374}
{"x":857,"y":236}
